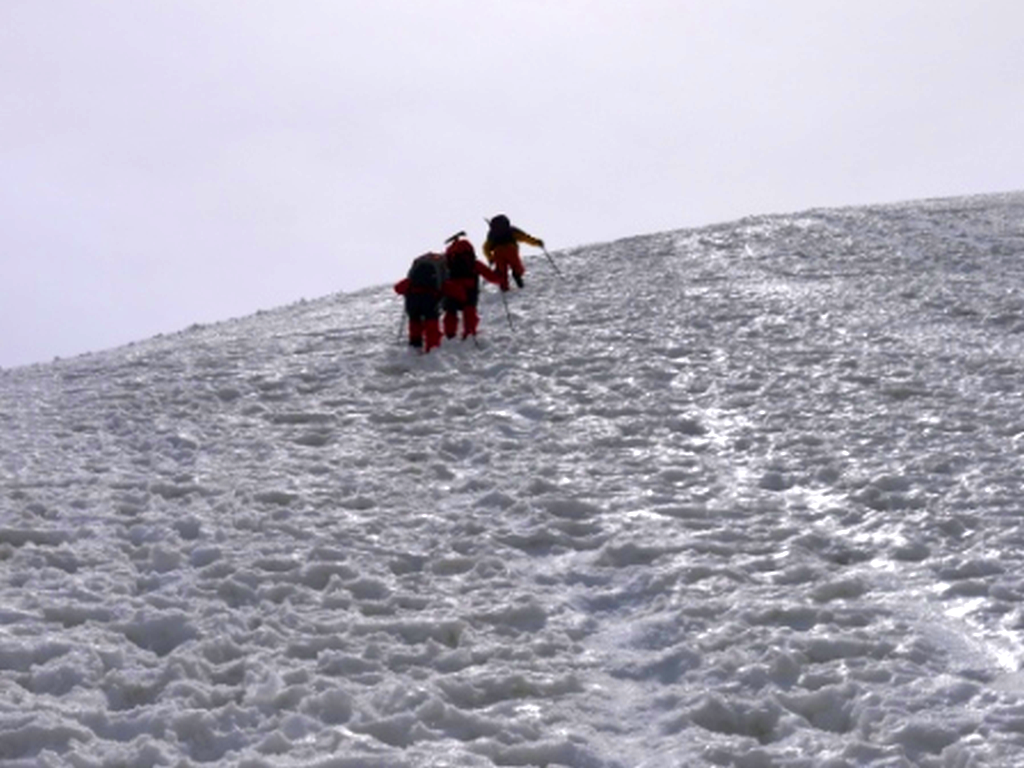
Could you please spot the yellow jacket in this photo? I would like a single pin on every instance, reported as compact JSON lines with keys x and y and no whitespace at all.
{"x":520,"y":237}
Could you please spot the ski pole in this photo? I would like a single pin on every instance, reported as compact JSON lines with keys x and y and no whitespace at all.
{"x":508,"y":314}
{"x":401,"y":325}
{"x":557,"y":270}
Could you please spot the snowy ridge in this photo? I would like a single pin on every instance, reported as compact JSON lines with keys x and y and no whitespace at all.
{"x":748,"y":495}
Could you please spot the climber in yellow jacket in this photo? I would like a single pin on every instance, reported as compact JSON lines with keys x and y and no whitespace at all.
{"x":502,"y":249}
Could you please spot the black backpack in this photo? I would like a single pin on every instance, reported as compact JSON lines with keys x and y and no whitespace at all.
{"x":428,"y":272}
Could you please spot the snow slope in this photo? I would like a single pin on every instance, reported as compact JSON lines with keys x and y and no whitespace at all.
{"x":749,"y":495}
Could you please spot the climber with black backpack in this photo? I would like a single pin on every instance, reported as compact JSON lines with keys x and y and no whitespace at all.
{"x":502,"y":249}
{"x":463,"y":289}
{"x":423,"y":289}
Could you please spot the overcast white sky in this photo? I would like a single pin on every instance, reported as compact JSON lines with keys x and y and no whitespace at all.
{"x":169,"y":162}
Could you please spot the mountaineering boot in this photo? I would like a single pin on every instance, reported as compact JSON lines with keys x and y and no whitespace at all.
{"x":470,"y":321}
{"x":431,"y":334}
{"x":451,"y":324}
{"x":415,"y":333}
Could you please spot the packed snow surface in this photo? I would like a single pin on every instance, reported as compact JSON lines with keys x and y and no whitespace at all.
{"x":748,"y":496}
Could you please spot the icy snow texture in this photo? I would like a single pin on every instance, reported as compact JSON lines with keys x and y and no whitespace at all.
{"x":749,"y":496}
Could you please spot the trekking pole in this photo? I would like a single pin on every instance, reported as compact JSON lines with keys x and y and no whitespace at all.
{"x":508,"y":314}
{"x":557,"y":270}
{"x":401,"y":325}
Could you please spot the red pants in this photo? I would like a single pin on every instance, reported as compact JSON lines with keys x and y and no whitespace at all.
{"x":470,"y":321}
{"x":425,"y":333}
{"x":506,"y":258}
